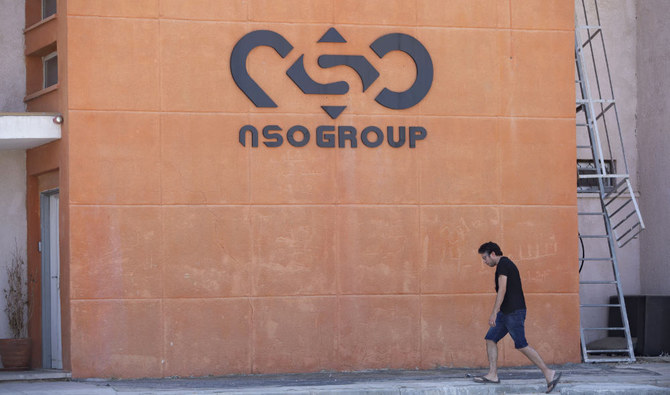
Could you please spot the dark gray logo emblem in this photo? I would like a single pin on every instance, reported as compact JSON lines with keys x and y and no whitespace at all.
{"x":366,"y":72}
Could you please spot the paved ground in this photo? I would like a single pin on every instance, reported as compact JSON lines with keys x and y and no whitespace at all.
{"x":648,"y":376}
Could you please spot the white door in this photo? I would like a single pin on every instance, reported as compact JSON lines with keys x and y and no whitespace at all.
{"x":51,"y":321}
{"x":54,"y":273}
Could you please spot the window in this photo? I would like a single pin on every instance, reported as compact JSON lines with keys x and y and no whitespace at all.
{"x":48,"y":8}
{"x":588,"y":166}
{"x":50,"y":67}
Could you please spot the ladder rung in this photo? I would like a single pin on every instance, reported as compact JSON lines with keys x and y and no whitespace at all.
{"x":589,"y":27}
{"x":606,"y":360}
{"x":614,"y":198}
{"x":629,"y":230}
{"x":586,"y":101}
{"x":600,"y":305}
{"x":606,"y":351}
{"x":605,"y":176}
{"x":595,"y":259}
{"x":583,"y":146}
{"x":602,"y":113}
{"x":590,"y":213}
{"x":597,"y":282}
{"x":615,"y":212}
{"x":603,"y":329}
{"x":631,"y":237}
{"x":624,"y":219}
{"x":592,"y":36}
{"x":593,"y":236}
{"x":618,"y":191}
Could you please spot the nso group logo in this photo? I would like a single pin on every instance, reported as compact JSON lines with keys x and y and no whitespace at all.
{"x":331,"y":136}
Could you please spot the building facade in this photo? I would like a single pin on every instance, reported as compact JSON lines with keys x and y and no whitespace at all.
{"x":204,"y":230}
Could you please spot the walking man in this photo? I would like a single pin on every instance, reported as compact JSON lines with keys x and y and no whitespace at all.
{"x":508,"y":316}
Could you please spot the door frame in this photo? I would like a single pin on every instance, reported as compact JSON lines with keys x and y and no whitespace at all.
{"x":47,"y":303}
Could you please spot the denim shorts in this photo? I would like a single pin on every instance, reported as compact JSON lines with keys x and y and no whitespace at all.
{"x":512,"y":323}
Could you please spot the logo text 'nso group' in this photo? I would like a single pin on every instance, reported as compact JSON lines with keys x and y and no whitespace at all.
{"x":331,"y":136}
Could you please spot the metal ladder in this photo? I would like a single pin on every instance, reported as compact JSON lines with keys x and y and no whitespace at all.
{"x":618,"y":209}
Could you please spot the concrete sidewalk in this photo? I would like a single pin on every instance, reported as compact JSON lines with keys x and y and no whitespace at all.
{"x":648,"y":376}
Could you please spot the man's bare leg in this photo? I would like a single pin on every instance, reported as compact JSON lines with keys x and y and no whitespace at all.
{"x":492,"y":352}
{"x":535,"y":358}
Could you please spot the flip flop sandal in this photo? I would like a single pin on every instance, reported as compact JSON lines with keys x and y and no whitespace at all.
{"x":484,"y":380}
{"x":552,"y":384}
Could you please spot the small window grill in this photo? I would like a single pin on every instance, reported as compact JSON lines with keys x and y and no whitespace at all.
{"x":50,"y":66}
{"x":49,"y":8}
{"x":588,"y":167}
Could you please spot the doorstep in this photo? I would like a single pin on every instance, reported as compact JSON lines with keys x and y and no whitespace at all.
{"x":37,"y":374}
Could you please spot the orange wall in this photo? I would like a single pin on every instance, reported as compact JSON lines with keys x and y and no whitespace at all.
{"x":193,"y":255}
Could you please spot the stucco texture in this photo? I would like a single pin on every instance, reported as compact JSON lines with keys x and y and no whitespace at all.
{"x":653,"y":65}
{"x":13,"y":214}
{"x":12,"y":162}
{"x":12,"y":64}
{"x":194,"y":255}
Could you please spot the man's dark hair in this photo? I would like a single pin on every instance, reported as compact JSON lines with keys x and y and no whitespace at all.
{"x":490,"y":247}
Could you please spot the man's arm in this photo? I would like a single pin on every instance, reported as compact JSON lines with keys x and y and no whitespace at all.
{"x":502,"y":288}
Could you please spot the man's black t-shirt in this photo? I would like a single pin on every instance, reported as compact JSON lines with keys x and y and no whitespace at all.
{"x":514,"y":299}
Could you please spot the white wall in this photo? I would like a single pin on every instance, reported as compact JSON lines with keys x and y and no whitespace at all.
{"x":653,"y":69}
{"x":13,"y":217}
{"x":12,"y":163}
{"x":619,"y":23}
{"x":12,"y":63}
